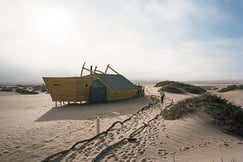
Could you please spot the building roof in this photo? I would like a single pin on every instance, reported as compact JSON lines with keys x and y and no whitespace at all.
{"x":97,"y":84}
{"x":117,"y":82}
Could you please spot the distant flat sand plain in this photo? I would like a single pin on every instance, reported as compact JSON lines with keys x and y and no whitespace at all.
{"x":31,"y":129}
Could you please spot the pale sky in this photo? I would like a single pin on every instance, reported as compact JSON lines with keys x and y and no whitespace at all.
{"x":142,"y":39}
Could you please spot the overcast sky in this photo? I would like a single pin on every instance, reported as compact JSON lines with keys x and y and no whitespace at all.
{"x":142,"y":39}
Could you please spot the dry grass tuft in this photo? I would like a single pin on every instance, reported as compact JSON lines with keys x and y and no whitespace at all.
{"x":226,"y":115}
{"x":180,"y":88}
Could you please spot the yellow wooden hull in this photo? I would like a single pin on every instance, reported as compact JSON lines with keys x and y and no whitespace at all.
{"x":78,"y":89}
{"x":68,"y":89}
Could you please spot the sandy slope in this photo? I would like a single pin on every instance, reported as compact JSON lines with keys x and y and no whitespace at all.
{"x":191,"y":139}
{"x":31,"y":129}
{"x":236,"y":97}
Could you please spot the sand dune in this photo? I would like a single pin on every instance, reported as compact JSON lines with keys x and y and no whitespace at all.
{"x":191,"y":139}
{"x":236,"y":97}
{"x":32,"y":129}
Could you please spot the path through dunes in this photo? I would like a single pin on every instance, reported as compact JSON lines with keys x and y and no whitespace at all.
{"x":123,"y":135}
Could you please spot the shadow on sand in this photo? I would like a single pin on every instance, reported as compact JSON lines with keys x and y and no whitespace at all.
{"x":92,"y":111}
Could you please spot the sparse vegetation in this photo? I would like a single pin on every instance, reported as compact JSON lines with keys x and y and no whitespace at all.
{"x":194,"y":89}
{"x":41,"y":88}
{"x":241,"y":86}
{"x":180,"y":109}
{"x":231,"y":88}
{"x":6,"y":89}
{"x":24,"y":91}
{"x":171,"y":89}
{"x":163,"y":83}
{"x":226,"y":115}
{"x":177,"y":87}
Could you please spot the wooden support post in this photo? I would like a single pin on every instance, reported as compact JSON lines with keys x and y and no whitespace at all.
{"x":91,"y":70}
{"x":55,"y":103}
{"x":98,"y":125}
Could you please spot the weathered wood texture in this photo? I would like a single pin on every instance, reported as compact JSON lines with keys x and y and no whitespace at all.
{"x":68,"y":89}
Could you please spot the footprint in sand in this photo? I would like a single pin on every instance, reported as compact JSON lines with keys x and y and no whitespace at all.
{"x":147,"y":160}
{"x":202,"y":145}
{"x":239,"y":143}
{"x":184,"y":148}
{"x":153,"y":143}
{"x":133,"y":160}
{"x":162,"y":142}
{"x":141,"y":151}
{"x":226,"y":144}
{"x":125,"y":157}
{"x":162,"y":152}
{"x":172,"y":153}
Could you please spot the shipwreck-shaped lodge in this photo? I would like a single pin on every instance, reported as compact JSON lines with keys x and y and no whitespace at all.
{"x":95,"y":87}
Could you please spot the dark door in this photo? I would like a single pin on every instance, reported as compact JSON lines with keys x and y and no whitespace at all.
{"x":98,"y":92}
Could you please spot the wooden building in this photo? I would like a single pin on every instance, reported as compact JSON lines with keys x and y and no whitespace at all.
{"x":96,"y":87}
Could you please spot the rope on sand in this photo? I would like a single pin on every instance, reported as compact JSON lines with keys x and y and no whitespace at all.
{"x":103,"y":152}
{"x":122,"y":141}
{"x":131,"y":136}
{"x":59,"y":155}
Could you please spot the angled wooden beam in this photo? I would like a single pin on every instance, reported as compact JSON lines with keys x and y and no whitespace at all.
{"x":82,"y":70}
{"x":95,"y":69}
{"x":109,"y":67}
